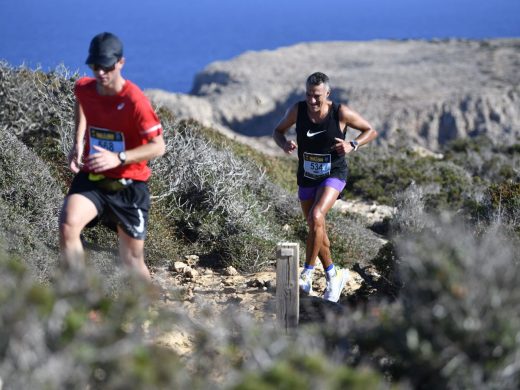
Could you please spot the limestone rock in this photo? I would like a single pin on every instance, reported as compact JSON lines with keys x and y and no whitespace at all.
{"x":179,"y":266}
{"x":230,"y":271}
{"x":433,"y":91}
{"x":190,"y":272}
{"x":192,"y":260}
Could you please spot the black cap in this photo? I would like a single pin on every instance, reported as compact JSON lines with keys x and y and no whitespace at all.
{"x":105,"y":50}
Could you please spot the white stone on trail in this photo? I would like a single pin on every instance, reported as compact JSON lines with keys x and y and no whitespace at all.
{"x":179,"y":266}
{"x":230,"y":271}
{"x":191,"y":273}
{"x":192,"y":259}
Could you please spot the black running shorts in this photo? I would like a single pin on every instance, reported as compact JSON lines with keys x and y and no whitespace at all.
{"x":127,"y":207}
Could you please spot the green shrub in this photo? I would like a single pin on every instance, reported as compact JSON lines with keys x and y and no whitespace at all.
{"x":351,"y":242}
{"x":28,"y":185}
{"x":452,"y":184}
{"x":451,"y":326}
{"x":468,"y":166}
{"x":30,"y":199}
{"x":380,"y":174}
{"x":504,"y":199}
{"x":215,"y":199}
{"x":311,"y":372}
{"x":486,"y":160}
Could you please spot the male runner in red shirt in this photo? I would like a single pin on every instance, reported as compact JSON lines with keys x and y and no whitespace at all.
{"x":117,"y":132}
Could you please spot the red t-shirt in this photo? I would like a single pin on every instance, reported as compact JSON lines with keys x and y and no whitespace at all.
{"x":117,"y":123}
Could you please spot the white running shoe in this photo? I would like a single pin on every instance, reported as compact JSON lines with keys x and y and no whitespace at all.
{"x":335,"y":285}
{"x":305,"y":282}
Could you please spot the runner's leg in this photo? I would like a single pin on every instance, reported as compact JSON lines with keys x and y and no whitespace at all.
{"x":306,"y":208}
{"x":131,"y":252}
{"x":76,"y":213}
{"x":317,"y":239}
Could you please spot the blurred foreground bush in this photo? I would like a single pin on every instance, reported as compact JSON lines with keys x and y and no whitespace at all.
{"x":72,"y":334}
{"x":454,"y":324}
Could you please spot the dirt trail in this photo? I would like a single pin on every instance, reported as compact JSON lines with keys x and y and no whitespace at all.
{"x":196,"y":288}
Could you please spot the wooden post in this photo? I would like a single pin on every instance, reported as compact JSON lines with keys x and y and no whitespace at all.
{"x":287,"y":291}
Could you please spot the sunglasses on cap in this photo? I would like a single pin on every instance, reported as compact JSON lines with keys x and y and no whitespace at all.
{"x":106,"y":69}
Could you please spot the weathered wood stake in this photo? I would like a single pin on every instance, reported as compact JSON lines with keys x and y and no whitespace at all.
{"x":287,"y":291}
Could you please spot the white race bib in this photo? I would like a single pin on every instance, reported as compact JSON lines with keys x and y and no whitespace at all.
{"x":106,"y":139}
{"x":316,"y":166}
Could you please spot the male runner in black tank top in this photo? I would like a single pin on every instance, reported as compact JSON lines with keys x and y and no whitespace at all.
{"x":321,"y":126}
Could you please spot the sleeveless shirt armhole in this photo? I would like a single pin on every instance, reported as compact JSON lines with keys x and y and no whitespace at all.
{"x":336,"y":108}
{"x":336,"y":117}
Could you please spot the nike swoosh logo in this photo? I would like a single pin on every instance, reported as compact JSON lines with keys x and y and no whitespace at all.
{"x":140,"y":228}
{"x":120,"y":106}
{"x":309,"y":134}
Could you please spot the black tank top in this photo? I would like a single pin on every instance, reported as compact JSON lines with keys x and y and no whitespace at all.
{"x":317,"y":160}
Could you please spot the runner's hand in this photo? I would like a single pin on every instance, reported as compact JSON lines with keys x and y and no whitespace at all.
{"x":74,"y":158}
{"x":103,"y":160}
{"x":289,"y":147}
{"x":341,"y":147}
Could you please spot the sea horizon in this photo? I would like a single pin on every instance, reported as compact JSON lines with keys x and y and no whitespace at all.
{"x":167,"y":44}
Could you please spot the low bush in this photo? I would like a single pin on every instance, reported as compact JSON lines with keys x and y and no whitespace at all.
{"x":214,"y":199}
{"x":451,"y":326}
{"x":466,"y":166}
{"x":30,"y":199}
{"x":504,"y":201}
{"x":485,"y":159}
{"x":70,"y":334}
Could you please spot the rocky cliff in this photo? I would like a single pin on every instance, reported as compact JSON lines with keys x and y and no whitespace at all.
{"x":434,"y":91}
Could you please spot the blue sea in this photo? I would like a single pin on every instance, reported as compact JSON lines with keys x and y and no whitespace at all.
{"x":168,"y":41}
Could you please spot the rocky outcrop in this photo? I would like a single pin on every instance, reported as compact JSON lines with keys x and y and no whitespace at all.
{"x":433,"y":91}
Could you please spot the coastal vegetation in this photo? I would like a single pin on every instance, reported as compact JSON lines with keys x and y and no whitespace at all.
{"x":440,"y":316}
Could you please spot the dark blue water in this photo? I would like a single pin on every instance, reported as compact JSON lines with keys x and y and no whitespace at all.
{"x":168,"y":41}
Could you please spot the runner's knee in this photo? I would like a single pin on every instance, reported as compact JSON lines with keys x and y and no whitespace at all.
{"x":69,"y":230}
{"x":316,"y":218}
{"x":130,"y":249}
{"x":133,"y":258}
{"x":73,"y":220}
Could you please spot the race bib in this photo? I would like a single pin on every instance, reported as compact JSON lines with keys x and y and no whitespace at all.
{"x":316,"y":166}
{"x":106,"y":139}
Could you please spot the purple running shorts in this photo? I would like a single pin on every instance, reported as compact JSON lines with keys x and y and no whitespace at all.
{"x":306,"y":193}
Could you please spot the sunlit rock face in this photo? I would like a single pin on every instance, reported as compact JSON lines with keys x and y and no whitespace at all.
{"x":432,"y":91}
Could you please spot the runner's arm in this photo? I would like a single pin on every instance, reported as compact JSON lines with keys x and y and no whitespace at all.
{"x":153,"y":149}
{"x":80,"y":124}
{"x":288,"y":120}
{"x":104,"y":159}
{"x":349,"y":117}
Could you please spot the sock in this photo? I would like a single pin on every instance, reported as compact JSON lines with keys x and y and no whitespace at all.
{"x":308,"y":269}
{"x":330,"y":271}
